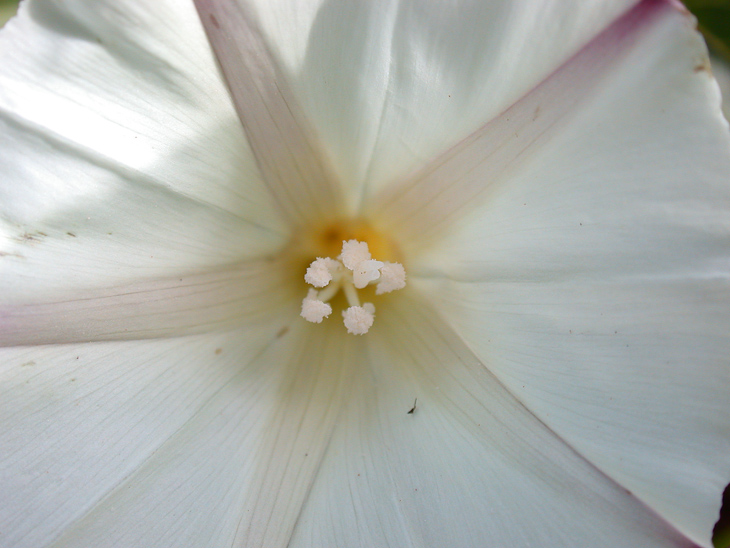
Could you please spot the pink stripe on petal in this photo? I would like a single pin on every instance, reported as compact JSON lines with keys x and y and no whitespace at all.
{"x":287,"y":150}
{"x":455,"y":183}
{"x":243,"y":295}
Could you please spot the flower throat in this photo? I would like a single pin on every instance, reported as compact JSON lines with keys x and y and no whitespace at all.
{"x":347,"y":266}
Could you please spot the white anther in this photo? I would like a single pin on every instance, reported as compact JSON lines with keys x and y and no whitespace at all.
{"x":366,"y":272}
{"x":354,"y":270}
{"x":392,"y":277}
{"x":320,"y":272}
{"x":359,"y":319}
{"x":314,"y":310}
{"x":353,"y":253}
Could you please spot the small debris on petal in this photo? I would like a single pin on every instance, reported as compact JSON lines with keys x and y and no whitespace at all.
{"x":413,"y":409}
{"x":359,"y":319}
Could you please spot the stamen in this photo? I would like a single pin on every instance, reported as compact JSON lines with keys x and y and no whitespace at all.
{"x":351,"y":294}
{"x":330,"y":291}
{"x":392,"y":278}
{"x":366,"y":272}
{"x":314,"y":310}
{"x":356,"y":270}
{"x":359,"y":319}
{"x":353,"y":253}
{"x":321,"y":271}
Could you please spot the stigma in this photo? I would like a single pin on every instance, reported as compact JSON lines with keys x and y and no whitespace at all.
{"x":354,"y":269}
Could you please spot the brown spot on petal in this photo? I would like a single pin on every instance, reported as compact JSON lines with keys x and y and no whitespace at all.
{"x":703,"y":66}
{"x":31,"y":237}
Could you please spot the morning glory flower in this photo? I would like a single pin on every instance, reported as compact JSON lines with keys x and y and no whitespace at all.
{"x":323,"y":274}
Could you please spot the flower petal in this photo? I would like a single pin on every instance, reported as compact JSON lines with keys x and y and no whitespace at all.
{"x":634,"y":376}
{"x":68,"y":221}
{"x":132,"y":86}
{"x":80,"y":419}
{"x":595,"y":282}
{"x":68,"y":218}
{"x":233,"y":473}
{"x":239,"y":296}
{"x":390,"y":84}
{"x":469,"y":465}
{"x":425,"y":204}
{"x":122,"y":176}
{"x":287,"y":150}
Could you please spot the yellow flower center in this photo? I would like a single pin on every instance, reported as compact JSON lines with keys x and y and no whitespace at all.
{"x":326,"y":240}
{"x":345,"y":259}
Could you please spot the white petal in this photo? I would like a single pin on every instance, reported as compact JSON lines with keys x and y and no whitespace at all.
{"x":238,"y":296}
{"x":595,"y":282}
{"x":234,"y":474}
{"x":70,"y":219}
{"x":122,"y":155}
{"x":427,"y":203}
{"x":634,"y":376}
{"x":288,"y":152}
{"x":134,"y":85}
{"x":389,"y":84}
{"x":78,"y":420}
{"x":470,"y":465}
{"x":721,"y":72}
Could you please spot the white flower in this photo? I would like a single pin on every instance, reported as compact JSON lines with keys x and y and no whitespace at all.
{"x":553,"y":179}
